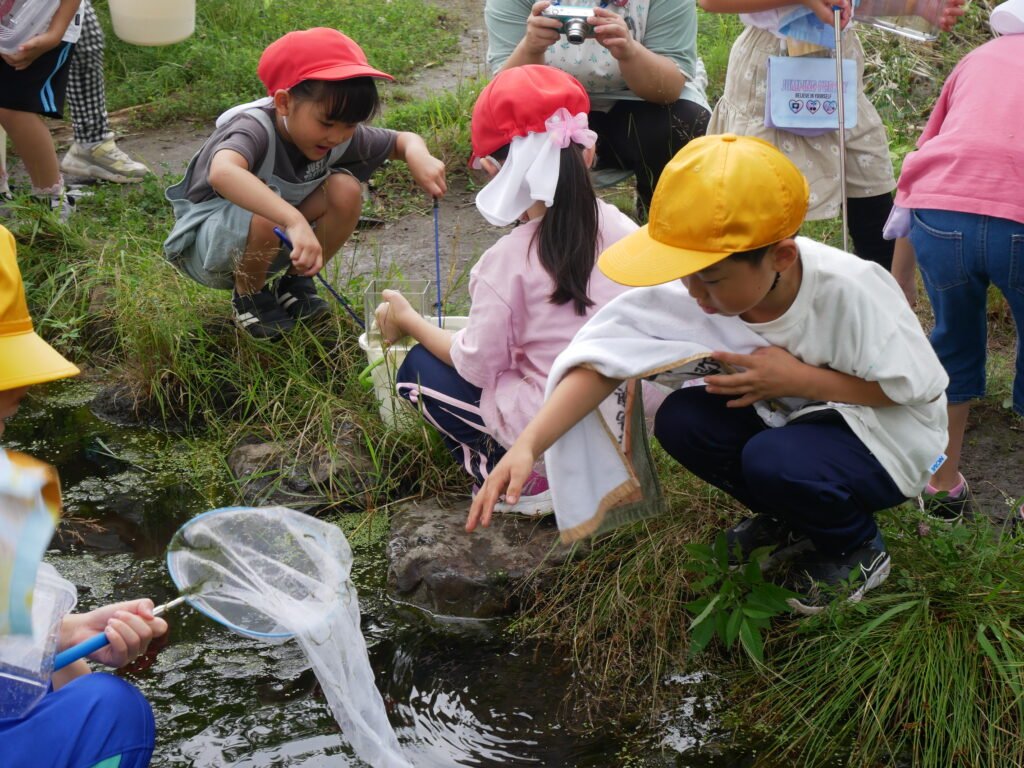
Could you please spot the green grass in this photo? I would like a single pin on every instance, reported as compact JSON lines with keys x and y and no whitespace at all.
{"x":927,"y":670}
{"x":216,"y":67}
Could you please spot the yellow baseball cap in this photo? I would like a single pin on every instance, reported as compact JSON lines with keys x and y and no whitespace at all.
{"x":718,"y":196}
{"x":24,"y":357}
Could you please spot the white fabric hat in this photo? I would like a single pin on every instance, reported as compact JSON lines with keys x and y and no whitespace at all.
{"x":530,"y":173}
{"x":1008,"y":18}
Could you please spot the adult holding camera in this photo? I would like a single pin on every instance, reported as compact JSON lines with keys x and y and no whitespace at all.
{"x":636,"y":58}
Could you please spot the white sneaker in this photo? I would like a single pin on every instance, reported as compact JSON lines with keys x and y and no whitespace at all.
{"x":104,"y":162}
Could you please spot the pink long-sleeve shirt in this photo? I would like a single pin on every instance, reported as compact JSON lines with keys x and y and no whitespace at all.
{"x":514,"y":333}
{"x":970,"y":157}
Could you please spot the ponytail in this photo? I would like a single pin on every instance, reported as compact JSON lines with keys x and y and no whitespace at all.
{"x":567,"y":235}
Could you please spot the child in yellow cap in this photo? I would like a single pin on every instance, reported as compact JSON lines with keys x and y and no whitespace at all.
{"x":858,"y":419}
{"x":86,"y":719}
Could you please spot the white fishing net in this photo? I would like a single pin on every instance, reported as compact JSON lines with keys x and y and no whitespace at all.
{"x":271,"y":573}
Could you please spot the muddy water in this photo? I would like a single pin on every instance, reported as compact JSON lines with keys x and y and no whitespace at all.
{"x":459,"y":694}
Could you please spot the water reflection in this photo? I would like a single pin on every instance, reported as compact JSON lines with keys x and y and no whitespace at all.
{"x":458,"y":694}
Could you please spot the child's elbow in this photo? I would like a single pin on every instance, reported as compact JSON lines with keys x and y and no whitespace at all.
{"x":217,"y":176}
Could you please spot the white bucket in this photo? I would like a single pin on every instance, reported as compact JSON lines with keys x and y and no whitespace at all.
{"x":153,"y":22}
{"x":394,"y":411}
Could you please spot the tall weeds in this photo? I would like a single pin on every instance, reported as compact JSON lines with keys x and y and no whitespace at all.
{"x":929,"y":672}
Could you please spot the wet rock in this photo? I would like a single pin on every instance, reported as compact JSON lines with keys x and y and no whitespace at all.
{"x":300,"y":476}
{"x":121,"y":403}
{"x":435,"y":565}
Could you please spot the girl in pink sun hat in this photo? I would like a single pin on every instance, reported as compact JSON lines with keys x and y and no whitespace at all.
{"x":531,"y":291}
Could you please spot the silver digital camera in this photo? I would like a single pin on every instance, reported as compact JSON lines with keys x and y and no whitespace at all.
{"x":574,"y":21}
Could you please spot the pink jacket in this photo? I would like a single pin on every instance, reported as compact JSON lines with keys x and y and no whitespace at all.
{"x":514,"y":333}
{"x":970,"y":157}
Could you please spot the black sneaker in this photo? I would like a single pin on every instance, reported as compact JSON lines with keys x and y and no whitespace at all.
{"x":821,"y":578}
{"x":298,"y":297}
{"x":259,"y":315}
{"x":945,"y":508}
{"x":765,"y":531}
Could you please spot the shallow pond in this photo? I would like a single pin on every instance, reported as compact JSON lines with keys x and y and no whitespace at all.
{"x":458,"y":693}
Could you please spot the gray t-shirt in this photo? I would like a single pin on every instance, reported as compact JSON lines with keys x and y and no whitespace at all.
{"x":366,"y":151}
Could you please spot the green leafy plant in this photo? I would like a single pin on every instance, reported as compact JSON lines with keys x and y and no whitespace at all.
{"x":740,"y":603}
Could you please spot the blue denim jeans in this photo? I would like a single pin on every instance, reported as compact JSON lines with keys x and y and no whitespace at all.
{"x":960,"y":254}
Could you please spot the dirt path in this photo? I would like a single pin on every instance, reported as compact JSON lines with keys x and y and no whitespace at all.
{"x":405,"y":246}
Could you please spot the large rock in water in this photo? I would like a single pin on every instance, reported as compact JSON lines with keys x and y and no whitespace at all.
{"x":302,"y":477}
{"x":435,"y":565}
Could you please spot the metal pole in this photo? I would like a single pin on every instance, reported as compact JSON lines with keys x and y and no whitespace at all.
{"x":841,"y":111}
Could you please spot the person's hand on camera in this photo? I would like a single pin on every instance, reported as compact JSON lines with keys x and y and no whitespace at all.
{"x":541,"y":31}
{"x":611,"y":31}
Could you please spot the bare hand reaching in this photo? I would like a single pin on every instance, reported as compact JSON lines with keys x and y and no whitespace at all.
{"x":506,"y":479}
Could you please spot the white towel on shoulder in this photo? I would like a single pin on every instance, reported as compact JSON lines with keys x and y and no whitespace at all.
{"x":639,"y":333}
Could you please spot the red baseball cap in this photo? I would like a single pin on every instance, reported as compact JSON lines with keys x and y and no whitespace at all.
{"x":518,"y":101}
{"x":320,"y":53}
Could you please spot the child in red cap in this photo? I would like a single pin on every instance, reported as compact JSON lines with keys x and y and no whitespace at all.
{"x":293,"y":160}
{"x":531,"y":291}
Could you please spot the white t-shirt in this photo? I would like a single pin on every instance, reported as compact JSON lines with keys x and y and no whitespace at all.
{"x":850,"y":315}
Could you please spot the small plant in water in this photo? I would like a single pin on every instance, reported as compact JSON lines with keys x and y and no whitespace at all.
{"x":738,"y":604}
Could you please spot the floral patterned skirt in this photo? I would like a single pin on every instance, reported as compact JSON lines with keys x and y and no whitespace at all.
{"x":741,"y":111}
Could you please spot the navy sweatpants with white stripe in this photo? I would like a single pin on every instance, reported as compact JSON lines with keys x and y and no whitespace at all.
{"x":452,"y":405}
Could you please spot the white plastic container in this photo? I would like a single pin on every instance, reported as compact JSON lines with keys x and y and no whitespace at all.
{"x":384,"y":364}
{"x":153,"y":22}
{"x":24,"y":21}
{"x":26,"y":662}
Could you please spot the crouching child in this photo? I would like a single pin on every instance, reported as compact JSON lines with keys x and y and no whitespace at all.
{"x":294,"y":160}
{"x":862,"y":423}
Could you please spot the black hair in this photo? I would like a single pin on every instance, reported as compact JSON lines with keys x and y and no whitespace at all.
{"x":567,"y":237}
{"x":752,"y":257}
{"x":345,"y":101}
{"x":756,"y":255}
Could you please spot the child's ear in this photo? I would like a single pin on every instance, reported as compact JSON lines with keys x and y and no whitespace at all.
{"x":589,"y":153}
{"x":282,"y":101}
{"x":785,"y":254}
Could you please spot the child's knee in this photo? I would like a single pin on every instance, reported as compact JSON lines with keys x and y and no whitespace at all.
{"x":261,"y":229}
{"x":107,"y":702}
{"x":412,"y":368}
{"x":344,"y":193}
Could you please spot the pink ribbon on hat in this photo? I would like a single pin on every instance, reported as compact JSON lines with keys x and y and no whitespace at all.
{"x":562,"y":128}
